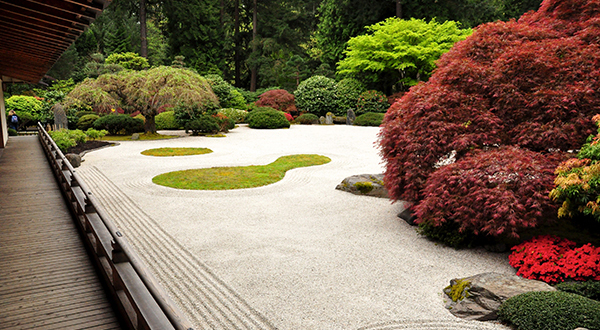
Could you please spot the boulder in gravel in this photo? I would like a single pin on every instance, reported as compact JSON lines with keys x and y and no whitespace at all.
{"x":322,"y":120}
{"x":364,"y":184}
{"x":74,"y":159}
{"x":350,"y":117}
{"x":408,"y":216}
{"x":329,"y":119}
{"x":135,"y":136}
{"x":479,"y":297}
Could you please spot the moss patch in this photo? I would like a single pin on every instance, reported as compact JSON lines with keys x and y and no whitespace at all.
{"x":458,"y":291}
{"x":364,"y":187}
{"x":169,"y":152}
{"x":223,"y":178}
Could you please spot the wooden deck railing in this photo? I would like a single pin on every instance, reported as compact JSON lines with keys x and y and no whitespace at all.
{"x":141,"y":301}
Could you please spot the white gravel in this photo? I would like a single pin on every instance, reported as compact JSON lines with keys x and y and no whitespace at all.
{"x":299,"y":252}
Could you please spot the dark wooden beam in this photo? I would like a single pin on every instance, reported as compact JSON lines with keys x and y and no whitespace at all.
{"x":32,"y":35}
{"x":15,"y":28}
{"x":65,"y":7}
{"x":53,"y":18}
{"x":39,"y":25}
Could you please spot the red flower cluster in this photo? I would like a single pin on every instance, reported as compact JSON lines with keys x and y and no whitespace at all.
{"x":553,"y":259}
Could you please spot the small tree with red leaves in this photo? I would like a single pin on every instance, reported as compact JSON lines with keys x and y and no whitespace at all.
{"x":278,"y":99}
{"x":533,"y":84}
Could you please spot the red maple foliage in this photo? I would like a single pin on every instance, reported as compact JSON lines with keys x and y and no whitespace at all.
{"x":534,"y":84}
{"x":496,"y":192}
{"x":278,"y":99}
{"x":553,"y":259}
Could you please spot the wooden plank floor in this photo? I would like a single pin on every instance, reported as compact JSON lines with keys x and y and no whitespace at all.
{"x":46,"y":278}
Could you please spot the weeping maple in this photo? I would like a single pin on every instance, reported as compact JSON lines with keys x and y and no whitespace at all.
{"x":532,"y":84}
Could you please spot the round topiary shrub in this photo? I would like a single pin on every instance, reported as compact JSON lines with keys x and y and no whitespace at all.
{"x":267,"y":119}
{"x":278,"y":99}
{"x":25,"y":104}
{"x":206,"y":124}
{"x":349,"y":89}
{"x":12,"y":132}
{"x":371,"y":101}
{"x":369,"y":119}
{"x":317,"y":95}
{"x":166,"y":120}
{"x":119,"y":124}
{"x":86,"y":122}
{"x":517,"y":83}
{"x":550,"y":310}
{"x":307,"y":119}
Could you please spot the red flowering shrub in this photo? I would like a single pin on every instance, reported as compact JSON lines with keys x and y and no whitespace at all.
{"x":496,"y":192}
{"x":288,"y":116}
{"x":532,"y":83}
{"x":553,"y":259}
{"x":278,"y":99}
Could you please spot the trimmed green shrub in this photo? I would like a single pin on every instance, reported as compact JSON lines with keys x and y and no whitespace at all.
{"x":78,"y":135}
{"x":237,"y":115}
{"x":22,"y":104}
{"x":372,"y":101}
{"x":349,"y":90}
{"x":369,"y":119}
{"x":93,"y":134}
{"x":307,"y":119}
{"x":551,"y":310}
{"x":166,"y":120}
{"x":129,"y":60}
{"x":80,"y":114}
{"x":228,"y":96}
{"x":12,"y":132}
{"x":86,"y":121}
{"x":317,"y":95}
{"x":206,"y":124}
{"x":588,"y":289}
{"x":267,"y":119}
{"x":119,"y":124}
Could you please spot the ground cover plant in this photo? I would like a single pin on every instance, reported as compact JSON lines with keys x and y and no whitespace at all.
{"x":223,"y":178}
{"x":170,"y":152}
{"x":550,"y":310}
{"x":530,"y":84}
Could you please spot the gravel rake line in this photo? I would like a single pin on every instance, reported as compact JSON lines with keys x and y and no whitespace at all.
{"x":434,"y":325}
{"x":204,"y":296}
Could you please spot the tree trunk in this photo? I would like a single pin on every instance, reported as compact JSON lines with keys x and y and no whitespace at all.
{"x":254,"y":35}
{"x":143,"y":30}
{"x":236,"y":36}
{"x":398,"y":9}
{"x":150,"y":125}
{"x":222,"y":12}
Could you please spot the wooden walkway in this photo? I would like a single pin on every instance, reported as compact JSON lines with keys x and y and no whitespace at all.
{"x":47,"y":280}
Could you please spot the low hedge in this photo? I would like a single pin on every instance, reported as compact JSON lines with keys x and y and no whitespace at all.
{"x":369,"y":119}
{"x":86,"y":122}
{"x":551,"y":310}
{"x":206,"y":124}
{"x":267,"y":119}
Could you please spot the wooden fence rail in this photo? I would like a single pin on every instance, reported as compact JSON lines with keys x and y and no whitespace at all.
{"x":141,"y":301}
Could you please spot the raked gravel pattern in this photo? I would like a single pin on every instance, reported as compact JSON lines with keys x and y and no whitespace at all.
{"x":296,"y":254}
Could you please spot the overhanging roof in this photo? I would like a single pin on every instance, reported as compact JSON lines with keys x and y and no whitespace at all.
{"x":35,"y":33}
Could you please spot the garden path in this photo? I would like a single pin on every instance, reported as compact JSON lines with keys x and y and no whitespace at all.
{"x":296,"y":254}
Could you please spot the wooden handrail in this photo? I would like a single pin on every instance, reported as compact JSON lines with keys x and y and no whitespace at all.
{"x":141,"y":300}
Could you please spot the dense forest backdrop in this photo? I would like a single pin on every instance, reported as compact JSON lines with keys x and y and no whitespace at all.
{"x":256,"y":44}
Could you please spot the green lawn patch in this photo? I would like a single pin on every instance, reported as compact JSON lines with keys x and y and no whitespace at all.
{"x":143,"y":137}
{"x":223,"y":178}
{"x":168,"y":152}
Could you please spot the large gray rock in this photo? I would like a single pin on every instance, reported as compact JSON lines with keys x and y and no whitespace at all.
{"x":364,"y":184}
{"x":60,"y":117}
{"x":74,"y":159}
{"x":322,"y":120}
{"x":479,"y":297}
{"x":350,"y":117}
